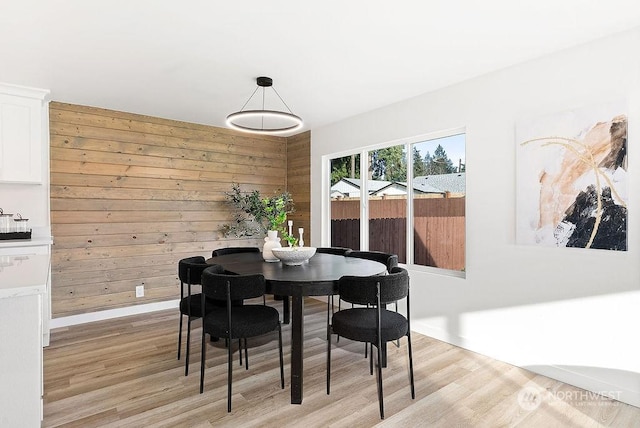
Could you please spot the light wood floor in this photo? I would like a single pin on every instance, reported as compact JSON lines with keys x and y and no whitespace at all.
{"x":124,"y":373}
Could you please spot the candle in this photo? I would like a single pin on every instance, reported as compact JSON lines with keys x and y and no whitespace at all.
{"x":301,"y":241}
{"x":290,"y":223}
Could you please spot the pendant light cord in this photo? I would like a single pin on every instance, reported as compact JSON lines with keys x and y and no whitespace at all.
{"x":247,"y":102}
{"x":285,"y":104}
{"x":262,"y":118}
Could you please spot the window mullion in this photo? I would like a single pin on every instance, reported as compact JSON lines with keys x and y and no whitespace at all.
{"x":409,"y":214}
{"x":364,"y":200}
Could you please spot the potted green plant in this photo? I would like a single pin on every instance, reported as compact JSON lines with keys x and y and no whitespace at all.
{"x":255,"y":215}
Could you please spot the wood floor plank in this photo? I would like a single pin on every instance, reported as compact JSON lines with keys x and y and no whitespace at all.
{"x":124,"y":373}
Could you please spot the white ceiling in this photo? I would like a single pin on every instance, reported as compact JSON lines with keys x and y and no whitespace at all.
{"x":197,"y":60}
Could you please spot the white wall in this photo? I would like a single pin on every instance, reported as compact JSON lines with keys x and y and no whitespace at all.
{"x":30,"y":200}
{"x":572,"y":314}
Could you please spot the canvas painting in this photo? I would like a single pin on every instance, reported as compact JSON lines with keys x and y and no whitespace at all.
{"x":572,"y":179}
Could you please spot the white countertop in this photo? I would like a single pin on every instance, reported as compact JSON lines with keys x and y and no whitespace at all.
{"x":23,"y":275}
{"x":36,"y":239}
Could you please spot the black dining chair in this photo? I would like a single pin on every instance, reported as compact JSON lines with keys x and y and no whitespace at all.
{"x":387,"y":259}
{"x":337,"y":251}
{"x":236,"y":322}
{"x":234,"y":250}
{"x":189,"y":272}
{"x":373,"y":324}
{"x":237,"y":250}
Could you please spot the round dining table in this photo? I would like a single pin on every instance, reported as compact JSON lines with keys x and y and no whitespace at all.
{"x":317,"y":277}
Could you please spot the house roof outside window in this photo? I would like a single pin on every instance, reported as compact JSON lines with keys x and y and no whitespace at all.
{"x":427,"y":184}
{"x":454,"y":183}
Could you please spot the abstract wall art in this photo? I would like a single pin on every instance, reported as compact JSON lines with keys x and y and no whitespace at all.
{"x":571,"y":188}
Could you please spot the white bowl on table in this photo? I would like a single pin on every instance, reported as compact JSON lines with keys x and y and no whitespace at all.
{"x":294,"y":256}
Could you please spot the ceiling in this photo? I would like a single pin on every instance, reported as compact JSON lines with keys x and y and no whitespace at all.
{"x":197,"y":60}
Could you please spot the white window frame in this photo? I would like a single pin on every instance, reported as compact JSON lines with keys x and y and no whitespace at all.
{"x":364,"y":196}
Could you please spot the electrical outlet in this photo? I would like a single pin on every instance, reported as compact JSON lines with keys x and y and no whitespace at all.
{"x":140,"y":291}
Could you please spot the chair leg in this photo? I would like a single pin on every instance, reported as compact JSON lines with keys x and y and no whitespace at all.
{"x":186,"y":363}
{"x":365,"y":346}
{"x":397,"y":340}
{"x":328,"y":359}
{"x":380,"y":396}
{"x":413,"y":391}
{"x":329,"y":306}
{"x":339,"y":306}
{"x":229,"y":375}
{"x":286,"y":308}
{"x":281,"y":356}
{"x":202,"y":358}
{"x":370,"y":359}
{"x":240,"y":350}
{"x":246,"y":353}
{"x":333,"y":311}
{"x":180,"y":337}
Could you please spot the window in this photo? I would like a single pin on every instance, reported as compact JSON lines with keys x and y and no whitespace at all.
{"x":438,"y":195}
{"x":345,"y":202}
{"x":434,"y":202}
{"x":387,"y":201}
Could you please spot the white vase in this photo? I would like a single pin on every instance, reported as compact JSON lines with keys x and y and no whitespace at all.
{"x":271,"y":241}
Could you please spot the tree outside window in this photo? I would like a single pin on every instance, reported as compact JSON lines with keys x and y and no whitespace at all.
{"x":436,"y":197}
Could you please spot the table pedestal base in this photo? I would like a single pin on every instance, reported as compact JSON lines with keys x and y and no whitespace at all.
{"x":297,"y":341}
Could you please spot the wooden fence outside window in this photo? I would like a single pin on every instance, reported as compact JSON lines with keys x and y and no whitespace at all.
{"x":439,"y":229}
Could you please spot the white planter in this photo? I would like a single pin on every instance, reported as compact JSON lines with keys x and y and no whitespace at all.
{"x":270,"y":242}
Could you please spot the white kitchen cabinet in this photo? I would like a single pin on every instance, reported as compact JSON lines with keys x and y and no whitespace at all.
{"x":23,"y":282}
{"x":24,"y":134}
{"x":32,"y":247}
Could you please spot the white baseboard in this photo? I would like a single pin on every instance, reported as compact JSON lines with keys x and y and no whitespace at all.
{"x":624,"y":389}
{"x":117,"y":313}
{"x":111,"y":313}
{"x":621,"y":386}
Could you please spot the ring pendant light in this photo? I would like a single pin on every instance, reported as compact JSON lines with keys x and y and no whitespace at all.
{"x":254,"y":120}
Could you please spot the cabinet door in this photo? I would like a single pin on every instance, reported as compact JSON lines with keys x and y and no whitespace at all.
{"x":46,"y":298}
{"x":20,"y":362}
{"x":20,"y":139}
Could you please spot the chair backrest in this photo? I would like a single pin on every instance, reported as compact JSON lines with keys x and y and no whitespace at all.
{"x":362,"y":290}
{"x":389,"y":260}
{"x":214,"y":285}
{"x":338,"y":251}
{"x":234,"y":250}
{"x":190,"y":269}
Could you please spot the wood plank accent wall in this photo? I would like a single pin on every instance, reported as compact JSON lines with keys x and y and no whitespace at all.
{"x":132,"y":194}
{"x":299,"y":182}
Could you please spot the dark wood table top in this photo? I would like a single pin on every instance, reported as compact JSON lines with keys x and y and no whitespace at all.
{"x":316,"y":277}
